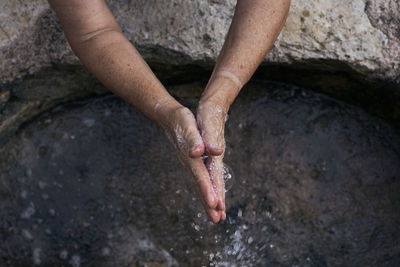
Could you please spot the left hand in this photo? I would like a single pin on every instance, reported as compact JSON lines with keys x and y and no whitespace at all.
{"x":211,"y":119}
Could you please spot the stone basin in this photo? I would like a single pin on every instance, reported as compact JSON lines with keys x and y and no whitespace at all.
{"x":94,"y":183}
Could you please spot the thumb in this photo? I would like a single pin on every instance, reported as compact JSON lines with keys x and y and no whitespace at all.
{"x":211,"y":119}
{"x":195,"y":143}
{"x":190,"y":134}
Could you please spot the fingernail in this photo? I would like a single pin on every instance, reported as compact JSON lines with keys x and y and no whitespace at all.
{"x":195,"y":148}
{"x":214,"y":150}
{"x":213,"y":146}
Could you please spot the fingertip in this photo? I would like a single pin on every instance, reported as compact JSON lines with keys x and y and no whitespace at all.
{"x":197,"y":151}
{"x":214,"y":150}
{"x":221,"y":205}
{"x":214,"y":216}
{"x":212,"y":201}
{"x":223,"y":215}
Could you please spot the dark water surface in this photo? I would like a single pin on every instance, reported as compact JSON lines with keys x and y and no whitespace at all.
{"x":317,"y":183}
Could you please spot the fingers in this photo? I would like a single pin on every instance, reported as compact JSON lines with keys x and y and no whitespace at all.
{"x":212,"y":214}
{"x":206,"y":190}
{"x":210,"y":146}
{"x":223,"y":215}
{"x":203,"y":183}
{"x":215,"y":168}
{"x":184,"y":133}
{"x":211,"y":121}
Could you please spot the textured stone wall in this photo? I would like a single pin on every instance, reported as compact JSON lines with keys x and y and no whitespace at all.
{"x":362,"y":34}
{"x":323,"y":43}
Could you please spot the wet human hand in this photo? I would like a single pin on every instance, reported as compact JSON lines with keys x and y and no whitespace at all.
{"x":211,"y":118}
{"x":180,"y":126}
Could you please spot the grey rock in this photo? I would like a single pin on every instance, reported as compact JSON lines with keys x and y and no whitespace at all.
{"x":329,"y":36}
{"x":364,"y":37}
{"x":385,"y":15}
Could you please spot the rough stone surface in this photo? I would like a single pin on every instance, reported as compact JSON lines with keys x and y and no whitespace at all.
{"x":335,"y":30}
{"x":385,"y":15}
{"x":364,"y":37}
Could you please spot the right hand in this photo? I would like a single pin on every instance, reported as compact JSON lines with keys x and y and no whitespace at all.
{"x":180,"y":126}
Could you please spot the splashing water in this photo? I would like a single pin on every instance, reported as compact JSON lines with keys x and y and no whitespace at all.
{"x":229,"y":179}
{"x":227,"y":174}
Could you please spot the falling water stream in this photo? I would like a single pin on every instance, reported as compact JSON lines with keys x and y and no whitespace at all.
{"x":94,"y":183}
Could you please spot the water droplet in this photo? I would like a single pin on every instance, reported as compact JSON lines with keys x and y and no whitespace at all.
{"x":26,"y":234}
{"x":105,"y":251}
{"x":52,"y":212}
{"x":36,"y":256}
{"x":240,"y":213}
{"x":228,"y":177}
{"x":89,"y":122}
{"x":75,"y":261}
{"x":24,"y":194}
{"x":28,"y":212}
{"x":42,"y":184}
{"x":211,"y":256}
{"x":63,"y":254}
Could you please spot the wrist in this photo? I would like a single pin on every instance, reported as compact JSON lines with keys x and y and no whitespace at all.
{"x":221,"y":90}
{"x":163,"y":111}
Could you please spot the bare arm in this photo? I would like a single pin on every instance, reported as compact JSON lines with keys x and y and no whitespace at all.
{"x":255,"y":26}
{"x":96,"y":38}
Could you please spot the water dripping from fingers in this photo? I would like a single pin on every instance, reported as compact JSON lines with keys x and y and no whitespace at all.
{"x":228,"y":177}
{"x":227,"y":174}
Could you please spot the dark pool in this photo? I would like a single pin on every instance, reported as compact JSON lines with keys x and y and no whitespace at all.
{"x":94,"y":183}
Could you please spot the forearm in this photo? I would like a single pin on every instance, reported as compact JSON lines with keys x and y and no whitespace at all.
{"x":255,"y":26}
{"x":118,"y":65}
{"x":104,"y":50}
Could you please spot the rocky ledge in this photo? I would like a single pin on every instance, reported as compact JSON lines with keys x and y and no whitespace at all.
{"x":364,"y":35}
{"x":346,"y":48}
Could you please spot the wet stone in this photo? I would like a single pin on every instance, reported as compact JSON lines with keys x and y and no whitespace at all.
{"x":95,"y":183}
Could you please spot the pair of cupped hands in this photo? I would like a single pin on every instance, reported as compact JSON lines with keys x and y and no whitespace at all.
{"x":197,"y":136}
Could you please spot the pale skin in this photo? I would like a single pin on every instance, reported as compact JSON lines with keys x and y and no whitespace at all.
{"x":96,"y":38}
